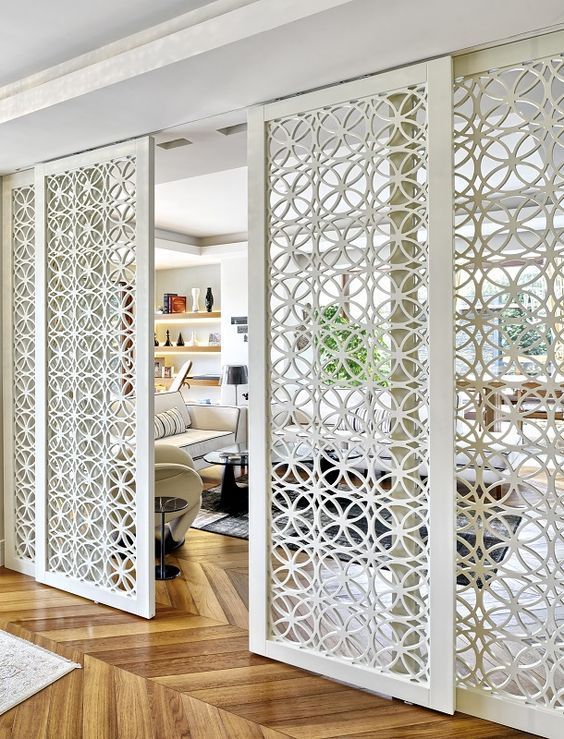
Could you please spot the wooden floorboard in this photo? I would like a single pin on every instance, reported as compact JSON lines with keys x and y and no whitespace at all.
{"x":188,"y":672}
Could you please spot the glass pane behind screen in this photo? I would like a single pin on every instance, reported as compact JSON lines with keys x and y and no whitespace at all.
{"x":509,"y":158}
{"x":348,"y":316}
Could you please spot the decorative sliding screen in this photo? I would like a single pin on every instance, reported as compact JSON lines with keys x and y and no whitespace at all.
{"x":95,"y":471}
{"x":19,"y":370}
{"x":509,"y":190}
{"x":348,"y":470}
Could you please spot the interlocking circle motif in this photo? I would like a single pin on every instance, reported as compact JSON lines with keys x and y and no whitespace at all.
{"x":348,"y":316}
{"x":23,"y":370}
{"x":509,"y":165}
{"x":91,"y":408}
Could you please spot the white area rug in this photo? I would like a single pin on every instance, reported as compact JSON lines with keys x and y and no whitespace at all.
{"x":25,"y":669}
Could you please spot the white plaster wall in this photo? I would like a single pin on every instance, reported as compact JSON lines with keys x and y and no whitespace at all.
{"x":235,"y":302}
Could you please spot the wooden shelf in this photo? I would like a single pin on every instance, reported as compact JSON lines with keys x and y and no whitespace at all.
{"x":162,"y":351}
{"x":185,"y":317}
{"x":203,"y":383}
{"x":167,"y":381}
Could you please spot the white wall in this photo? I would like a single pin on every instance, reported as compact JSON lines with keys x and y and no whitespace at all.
{"x":235,"y":302}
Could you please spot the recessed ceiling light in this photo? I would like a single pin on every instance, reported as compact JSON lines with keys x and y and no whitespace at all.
{"x":230,"y":130}
{"x":174,"y":143}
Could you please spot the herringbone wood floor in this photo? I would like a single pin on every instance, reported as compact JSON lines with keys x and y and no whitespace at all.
{"x":188,"y":672}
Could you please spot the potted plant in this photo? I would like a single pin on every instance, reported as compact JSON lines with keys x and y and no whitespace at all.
{"x":350,"y":355}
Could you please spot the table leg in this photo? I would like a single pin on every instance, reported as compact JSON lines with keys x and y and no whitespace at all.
{"x":234,"y":498}
{"x":162,"y":557}
{"x":162,"y":570}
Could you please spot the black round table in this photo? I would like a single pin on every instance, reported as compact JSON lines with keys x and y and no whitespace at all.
{"x":234,"y":497}
{"x":167,"y":504}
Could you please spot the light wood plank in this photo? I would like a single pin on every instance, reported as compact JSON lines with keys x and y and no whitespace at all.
{"x":188,"y":672}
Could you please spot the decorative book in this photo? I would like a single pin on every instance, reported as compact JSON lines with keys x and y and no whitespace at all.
{"x":178,"y":303}
{"x":167,"y":300}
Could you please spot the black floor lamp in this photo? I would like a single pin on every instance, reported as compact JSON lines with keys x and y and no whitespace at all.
{"x":235,"y":374}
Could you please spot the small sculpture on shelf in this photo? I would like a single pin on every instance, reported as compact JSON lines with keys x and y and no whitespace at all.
{"x":156,"y":341}
{"x":168,"y":342}
{"x":195,"y":299}
{"x":209,"y":300}
{"x":180,"y":340}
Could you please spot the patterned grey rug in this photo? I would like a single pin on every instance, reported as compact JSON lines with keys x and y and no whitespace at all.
{"x":212,"y":518}
{"x":25,"y":669}
{"x":486,"y":544}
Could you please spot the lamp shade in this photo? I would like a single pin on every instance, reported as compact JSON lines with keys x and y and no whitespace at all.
{"x":235,"y":374}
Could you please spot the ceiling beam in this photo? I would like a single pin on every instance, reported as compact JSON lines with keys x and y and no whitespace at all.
{"x":239,"y":237}
{"x":211,"y":27}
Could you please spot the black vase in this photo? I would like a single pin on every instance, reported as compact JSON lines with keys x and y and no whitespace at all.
{"x":209,"y":300}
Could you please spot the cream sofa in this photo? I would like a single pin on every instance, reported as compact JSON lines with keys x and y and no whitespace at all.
{"x":208,"y":427}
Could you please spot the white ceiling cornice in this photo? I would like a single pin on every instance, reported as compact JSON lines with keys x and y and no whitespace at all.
{"x":127,"y":43}
{"x":238,"y":54}
{"x":197,"y":244}
{"x":207,"y":28}
{"x":174,"y":250}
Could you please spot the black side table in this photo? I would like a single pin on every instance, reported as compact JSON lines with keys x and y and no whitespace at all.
{"x":163,"y":505}
{"x":234,"y":497}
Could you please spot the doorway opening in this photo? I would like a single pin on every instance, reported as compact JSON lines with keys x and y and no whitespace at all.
{"x":201,"y":334}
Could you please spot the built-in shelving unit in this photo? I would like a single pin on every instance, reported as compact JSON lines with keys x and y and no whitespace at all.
{"x":197,"y":323}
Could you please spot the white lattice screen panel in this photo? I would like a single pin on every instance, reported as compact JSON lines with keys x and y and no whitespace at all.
{"x":509,"y":158}
{"x":97,"y":477}
{"x":21,"y":243}
{"x":348,"y":381}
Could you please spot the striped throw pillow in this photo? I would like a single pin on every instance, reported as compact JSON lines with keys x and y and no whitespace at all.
{"x":378,"y":420}
{"x":169,"y":423}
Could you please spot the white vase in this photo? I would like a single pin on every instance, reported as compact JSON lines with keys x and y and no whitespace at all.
{"x":189,"y":341}
{"x":195,"y":299}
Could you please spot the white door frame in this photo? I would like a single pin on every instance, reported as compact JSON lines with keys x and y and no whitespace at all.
{"x":439,"y":693}
{"x":143,"y":602}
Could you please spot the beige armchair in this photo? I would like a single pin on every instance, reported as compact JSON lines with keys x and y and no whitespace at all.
{"x":175,"y":475}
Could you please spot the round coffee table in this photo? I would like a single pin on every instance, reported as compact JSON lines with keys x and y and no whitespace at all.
{"x":165,"y":504}
{"x":234,"y":497}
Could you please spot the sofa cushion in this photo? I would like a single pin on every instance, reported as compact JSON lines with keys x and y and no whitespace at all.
{"x":198,"y":442}
{"x":167,"y":401}
{"x":169,"y":423}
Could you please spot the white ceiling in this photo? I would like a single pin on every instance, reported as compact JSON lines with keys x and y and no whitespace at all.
{"x":35,"y":34}
{"x":210,"y":151}
{"x":359,"y":37}
{"x":208,"y":205}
